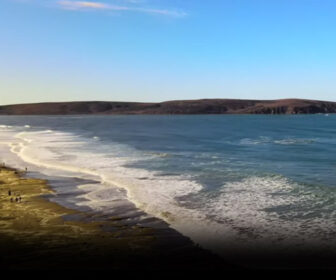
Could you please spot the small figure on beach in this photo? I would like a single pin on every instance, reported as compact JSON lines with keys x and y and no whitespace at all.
{"x":9,"y":193}
{"x":16,"y":199}
{"x":26,"y":169}
{"x":11,"y":200}
{"x":19,"y":198}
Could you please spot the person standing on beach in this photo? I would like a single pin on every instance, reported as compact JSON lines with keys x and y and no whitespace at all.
{"x":9,"y":193}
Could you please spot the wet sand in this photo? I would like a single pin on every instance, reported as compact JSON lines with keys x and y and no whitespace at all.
{"x":36,"y":233}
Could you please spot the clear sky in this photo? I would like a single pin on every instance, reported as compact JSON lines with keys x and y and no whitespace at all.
{"x":157,"y":50}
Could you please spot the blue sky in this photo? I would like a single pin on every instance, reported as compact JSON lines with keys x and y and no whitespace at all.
{"x":157,"y":50}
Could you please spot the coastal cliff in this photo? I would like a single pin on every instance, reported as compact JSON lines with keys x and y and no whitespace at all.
{"x":202,"y":106}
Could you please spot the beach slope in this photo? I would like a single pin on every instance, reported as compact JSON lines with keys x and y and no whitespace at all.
{"x":35,"y":235}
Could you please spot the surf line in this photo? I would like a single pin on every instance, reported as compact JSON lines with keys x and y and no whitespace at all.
{"x":111,"y":182}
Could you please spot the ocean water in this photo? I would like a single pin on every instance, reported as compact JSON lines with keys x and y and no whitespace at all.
{"x":232,"y":183}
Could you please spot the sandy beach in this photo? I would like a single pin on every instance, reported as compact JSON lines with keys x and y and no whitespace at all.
{"x":34,"y":234}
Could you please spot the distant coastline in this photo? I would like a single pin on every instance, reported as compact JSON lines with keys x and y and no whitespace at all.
{"x":202,"y":106}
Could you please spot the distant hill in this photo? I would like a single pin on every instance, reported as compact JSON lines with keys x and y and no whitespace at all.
{"x":202,"y":106}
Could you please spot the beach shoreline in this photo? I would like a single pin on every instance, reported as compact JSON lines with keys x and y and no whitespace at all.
{"x":35,"y":235}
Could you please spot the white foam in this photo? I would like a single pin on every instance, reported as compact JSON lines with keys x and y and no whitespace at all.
{"x":267,"y":140}
{"x":5,"y":127}
{"x":247,"y":206}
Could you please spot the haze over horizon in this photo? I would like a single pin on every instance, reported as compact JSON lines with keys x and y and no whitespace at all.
{"x":159,"y":50}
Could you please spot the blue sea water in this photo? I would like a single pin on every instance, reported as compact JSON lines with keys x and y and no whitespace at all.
{"x":249,"y":180}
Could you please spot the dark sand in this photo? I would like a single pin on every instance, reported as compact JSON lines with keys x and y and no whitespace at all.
{"x":35,"y":235}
